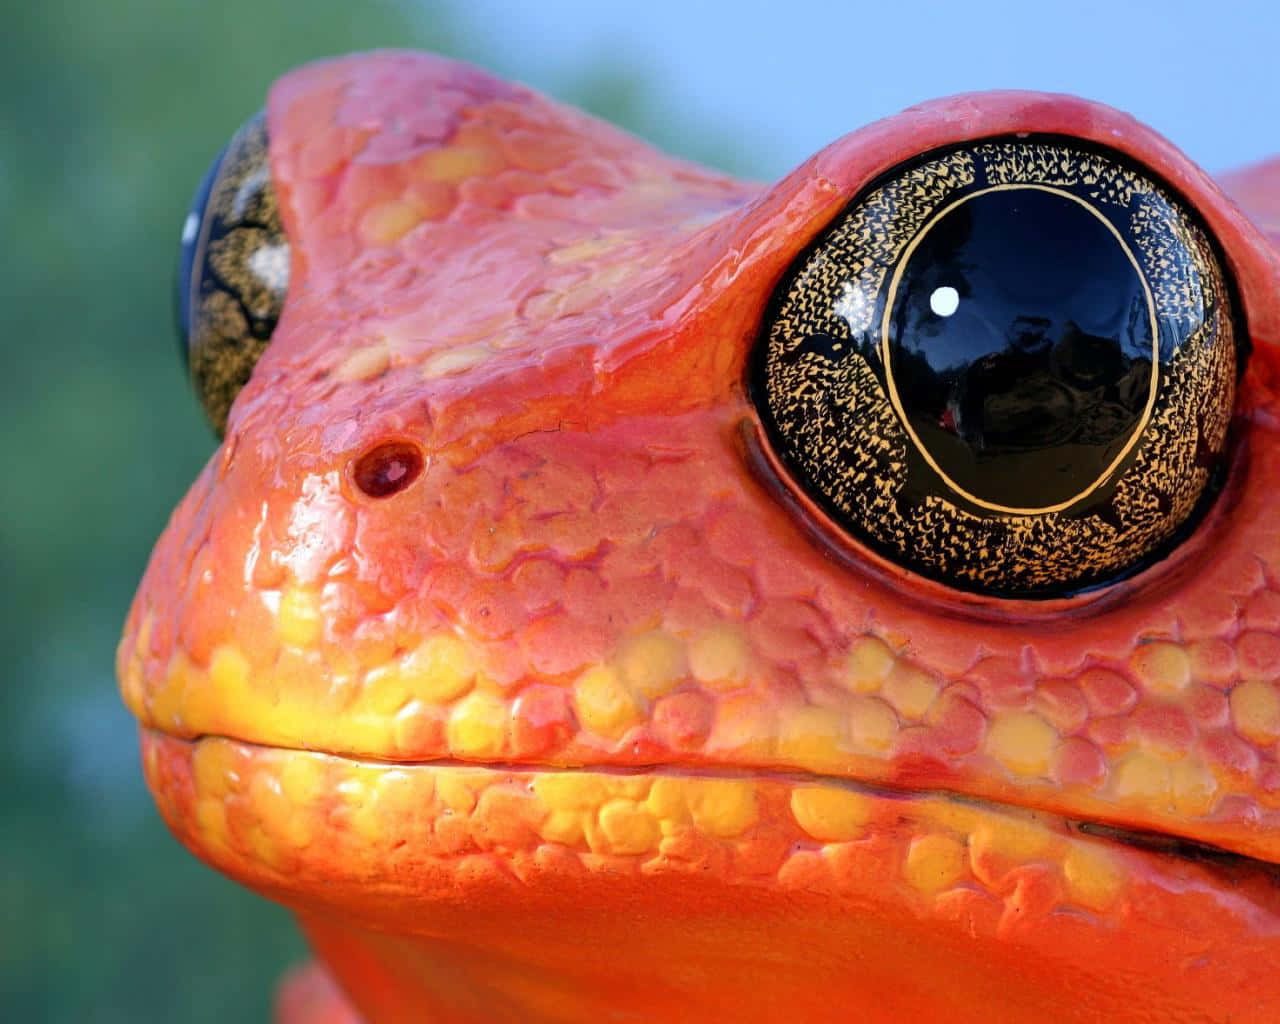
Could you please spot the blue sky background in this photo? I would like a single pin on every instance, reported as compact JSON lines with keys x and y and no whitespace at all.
{"x":780,"y":80}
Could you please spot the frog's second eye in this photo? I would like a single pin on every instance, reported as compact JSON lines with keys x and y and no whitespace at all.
{"x":233,"y":271}
{"x":1009,"y":366}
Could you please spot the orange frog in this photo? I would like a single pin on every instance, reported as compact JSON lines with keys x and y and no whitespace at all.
{"x":627,"y":594}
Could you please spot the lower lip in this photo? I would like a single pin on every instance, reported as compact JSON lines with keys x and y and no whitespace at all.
{"x":794,"y":890}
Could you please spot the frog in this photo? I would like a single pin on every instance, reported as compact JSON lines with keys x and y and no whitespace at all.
{"x":626,"y":593}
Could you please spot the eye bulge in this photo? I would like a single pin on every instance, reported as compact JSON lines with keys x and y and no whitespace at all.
{"x":233,"y":271}
{"x":1008,"y":366}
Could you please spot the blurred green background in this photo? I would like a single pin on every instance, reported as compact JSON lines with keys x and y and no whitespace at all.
{"x":109,"y":116}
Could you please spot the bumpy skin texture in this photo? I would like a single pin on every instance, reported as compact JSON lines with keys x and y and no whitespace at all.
{"x":597,"y":718}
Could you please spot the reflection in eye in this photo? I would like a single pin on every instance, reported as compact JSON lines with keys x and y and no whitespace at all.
{"x":1009,"y":366}
{"x":996,"y":364}
{"x":944,"y":301}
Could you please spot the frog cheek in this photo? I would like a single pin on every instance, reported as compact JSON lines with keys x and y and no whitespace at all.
{"x":233,"y":271}
{"x":1008,"y":366}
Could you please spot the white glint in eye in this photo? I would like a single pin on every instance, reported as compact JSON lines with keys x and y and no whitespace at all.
{"x":189,"y":228}
{"x":271,"y":264}
{"x":854,"y":308}
{"x":944,"y":301}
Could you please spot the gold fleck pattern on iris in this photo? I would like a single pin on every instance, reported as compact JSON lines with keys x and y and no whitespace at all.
{"x":233,"y":271}
{"x":1009,"y":366}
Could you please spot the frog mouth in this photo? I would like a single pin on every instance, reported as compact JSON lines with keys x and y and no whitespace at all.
{"x":265,"y":813}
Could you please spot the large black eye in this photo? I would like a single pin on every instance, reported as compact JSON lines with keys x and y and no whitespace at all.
{"x":233,"y":271}
{"x":1009,"y":366}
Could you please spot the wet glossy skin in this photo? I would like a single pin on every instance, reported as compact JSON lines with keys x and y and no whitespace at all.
{"x":597,"y":719}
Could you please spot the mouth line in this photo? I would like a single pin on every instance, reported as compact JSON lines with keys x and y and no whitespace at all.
{"x":1163,"y":844}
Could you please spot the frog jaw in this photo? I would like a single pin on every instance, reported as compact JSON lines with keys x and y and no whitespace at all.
{"x":500,"y":873}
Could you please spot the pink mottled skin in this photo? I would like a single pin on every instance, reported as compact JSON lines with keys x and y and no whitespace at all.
{"x":597,"y":719}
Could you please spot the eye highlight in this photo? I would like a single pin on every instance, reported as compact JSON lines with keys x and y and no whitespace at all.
{"x":233,"y":271}
{"x":1008,"y":366}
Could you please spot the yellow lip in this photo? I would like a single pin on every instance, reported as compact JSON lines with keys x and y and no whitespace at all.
{"x":323,"y":826}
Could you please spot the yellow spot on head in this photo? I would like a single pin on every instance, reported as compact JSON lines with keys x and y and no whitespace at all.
{"x":744,"y":729}
{"x":129,"y":665}
{"x":1194,"y":787}
{"x":718,"y":657}
{"x":1162,"y":667}
{"x":652,"y":663}
{"x":1023,"y":742}
{"x":588,"y":249}
{"x":455,"y":164}
{"x":364,"y":363}
{"x":454,"y":360}
{"x":439,"y":669}
{"x":131,"y":688}
{"x":873,"y":726}
{"x":830,"y":813}
{"x":478,"y":726}
{"x":229,"y":676}
{"x":414,"y":728}
{"x":909,"y":690}
{"x":813,"y":738}
{"x":183,"y":682}
{"x":298,"y":620}
{"x":934,"y":862}
{"x":604,"y":704}
{"x":1255,"y":711}
{"x":143,"y":642}
{"x":388,"y":222}
{"x":867,"y":665}
{"x":1142,"y":777}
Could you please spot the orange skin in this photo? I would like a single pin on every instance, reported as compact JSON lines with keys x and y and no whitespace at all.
{"x":598,"y":719}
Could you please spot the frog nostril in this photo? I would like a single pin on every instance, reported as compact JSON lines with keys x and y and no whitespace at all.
{"x":387,"y":468}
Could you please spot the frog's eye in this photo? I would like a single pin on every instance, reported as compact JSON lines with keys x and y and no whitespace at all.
{"x":233,"y":271}
{"x":1009,"y":366}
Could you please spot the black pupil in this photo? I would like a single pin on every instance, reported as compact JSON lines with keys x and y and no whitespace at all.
{"x":1020,"y":348}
